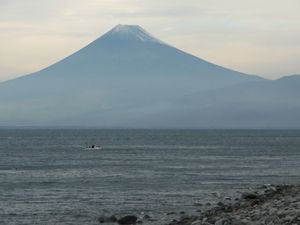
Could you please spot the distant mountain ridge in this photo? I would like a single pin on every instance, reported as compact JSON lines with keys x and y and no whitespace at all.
{"x":265,"y":104}
{"x":125,"y":78}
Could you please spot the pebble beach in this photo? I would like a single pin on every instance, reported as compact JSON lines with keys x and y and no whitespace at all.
{"x":268,"y":205}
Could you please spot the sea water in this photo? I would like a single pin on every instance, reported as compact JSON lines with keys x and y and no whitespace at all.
{"x":47,"y":176}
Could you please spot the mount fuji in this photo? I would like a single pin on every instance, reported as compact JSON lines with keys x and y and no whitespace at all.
{"x":125,"y":78}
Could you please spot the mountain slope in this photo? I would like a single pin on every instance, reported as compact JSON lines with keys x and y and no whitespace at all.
{"x":125,"y":74}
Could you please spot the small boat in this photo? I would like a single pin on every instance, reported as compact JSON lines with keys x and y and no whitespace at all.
{"x":93,"y":147}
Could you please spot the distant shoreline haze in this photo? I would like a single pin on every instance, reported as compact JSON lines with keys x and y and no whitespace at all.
{"x":128,"y":78}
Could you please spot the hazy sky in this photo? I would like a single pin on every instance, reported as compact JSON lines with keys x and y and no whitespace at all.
{"x":253,"y":36}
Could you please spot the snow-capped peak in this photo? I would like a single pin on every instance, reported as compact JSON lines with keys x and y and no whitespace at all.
{"x":131,"y":32}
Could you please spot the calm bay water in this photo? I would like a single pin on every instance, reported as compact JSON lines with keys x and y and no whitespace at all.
{"x":46,"y":176}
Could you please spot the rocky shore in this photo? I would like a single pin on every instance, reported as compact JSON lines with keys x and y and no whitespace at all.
{"x":268,"y":205}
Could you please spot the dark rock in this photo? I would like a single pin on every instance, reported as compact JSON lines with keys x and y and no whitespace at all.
{"x":219,"y":222}
{"x":220,"y":204}
{"x":223,"y":221}
{"x":228,"y":208}
{"x":296,"y":219}
{"x":255,"y":202}
{"x":171,"y":213}
{"x":249,"y":196}
{"x":146,"y":217}
{"x":236,"y":205}
{"x":198,"y":204}
{"x":182,"y":212}
{"x":211,"y":220}
{"x":109,"y":219}
{"x":127,"y":220}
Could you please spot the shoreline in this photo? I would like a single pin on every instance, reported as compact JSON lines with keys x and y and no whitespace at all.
{"x":267,"y":205}
{"x":264,"y":205}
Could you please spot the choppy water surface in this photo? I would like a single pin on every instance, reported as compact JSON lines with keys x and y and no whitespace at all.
{"x":46,"y":176}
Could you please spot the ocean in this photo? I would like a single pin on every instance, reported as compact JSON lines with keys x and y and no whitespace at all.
{"x":47,"y":176}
